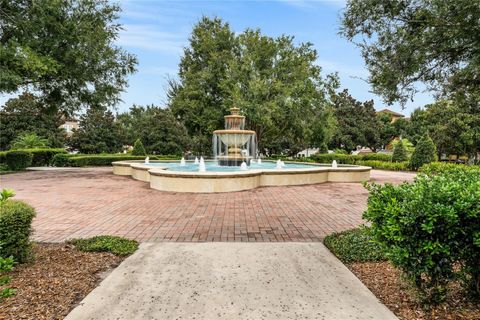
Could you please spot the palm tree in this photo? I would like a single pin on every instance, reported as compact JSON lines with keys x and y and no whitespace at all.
{"x":29,"y":141}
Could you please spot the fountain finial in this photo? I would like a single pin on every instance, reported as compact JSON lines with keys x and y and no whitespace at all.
{"x":234,"y":111}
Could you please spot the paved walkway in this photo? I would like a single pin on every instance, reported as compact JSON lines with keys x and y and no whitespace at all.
{"x":87,"y":202}
{"x":231,"y":281}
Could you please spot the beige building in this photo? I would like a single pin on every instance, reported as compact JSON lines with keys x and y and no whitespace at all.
{"x":395,"y":115}
{"x":69,"y":125}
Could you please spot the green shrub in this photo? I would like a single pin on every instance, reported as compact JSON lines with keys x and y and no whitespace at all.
{"x":18,"y":160}
{"x":29,"y":141}
{"x":80,"y":160}
{"x":425,"y":152}
{"x":429,"y":228}
{"x":138,"y":149}
{"x":15,"y":229}
{"x":3,"y":157}
{"x":116,"y":245}
{"x":399,"y":152}
{"x":340,"y":158}
{"x":6,"y":265}
{"x":354,"y":245}
{"x":61,"y":160}
{"x":445,"y":167}
{"x":43,"y":157}
{"x":376,"y":156}
{"x":394,"y":166}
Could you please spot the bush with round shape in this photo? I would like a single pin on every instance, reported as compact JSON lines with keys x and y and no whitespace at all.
{"x":15,"y":229}
{"x":425,"y":152}
{"x":399,"y":152}
{"x":430,"y":229}
{"x":18,"y":160}
{"x":138,"y":149}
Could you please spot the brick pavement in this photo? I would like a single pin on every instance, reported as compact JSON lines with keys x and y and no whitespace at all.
{"x":92,"y":201}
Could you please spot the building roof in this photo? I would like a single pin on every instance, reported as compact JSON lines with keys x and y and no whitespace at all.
{"x":393,"y":113}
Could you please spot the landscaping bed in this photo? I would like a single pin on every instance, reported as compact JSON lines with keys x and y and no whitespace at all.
{"x":386,"y":283}
{"x":59,"y":277}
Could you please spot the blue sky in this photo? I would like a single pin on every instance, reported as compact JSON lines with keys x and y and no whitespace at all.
{"x":157,"y":30}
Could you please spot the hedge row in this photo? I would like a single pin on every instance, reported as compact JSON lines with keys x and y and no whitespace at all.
{"x":350,"y":159}
{"x":23,"y":158}
{"x":69,"y":160}
{"x":375,"y":164}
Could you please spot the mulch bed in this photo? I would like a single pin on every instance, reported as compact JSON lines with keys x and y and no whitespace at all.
{"x":386,"y":283}
{"x":58,"y":279}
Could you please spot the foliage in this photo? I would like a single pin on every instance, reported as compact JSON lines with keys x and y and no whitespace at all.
{"x":6,"y":194}
{"x":385,"y":165}
{"x":430,"y":229}
{"x":76,"y":160}
{"x":6,"y":265}
{"x":15,"y":229}
{"x":409,"y":148}
{"x":43,"y":157}
{"x":138,"y":149}
{"x":29,"y":141}
{"x":355,"y":245}
{"x":18,"y":160}
{"x":329,"y":157}
{"x":357,"y":123}
{"x":425,"y":152}
{"x":116,"y":245}
{"x":406,"y":42}
{"x":65,"y":51}
{"x":434,"y":168}
{"x":98,"y":133}
{"x":157,"y":128}
{"x":277,"y":84}
{"x":399,"y":152}
{"x":27,"y":115}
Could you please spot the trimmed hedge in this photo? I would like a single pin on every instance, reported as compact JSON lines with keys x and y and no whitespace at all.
{"x":82,"y":160}
{"x":340,"y":158}
{"x":444,"y":167}
{"x":394,"y":166}
{"x":15,"y":229}
{"x":18,"y":160}
{"x":43,"y":157}
{"x":355,"y":245}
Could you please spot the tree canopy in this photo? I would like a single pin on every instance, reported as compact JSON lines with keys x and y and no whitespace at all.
{"x":405,"y":42}
{"x":63,"y":51}
{"x":277,"y":84}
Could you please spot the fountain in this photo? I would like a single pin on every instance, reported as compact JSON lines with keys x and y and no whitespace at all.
{"x":201,"y":165}
{"x":259,"y":161}
{"x":182,"y":162}
{"x":243,"y":166}
{"x":147,"y":160}
{"x":334,"y":164}
{"x":279,"y":164}
{"x":196,"y":161}
{"x":234,"y":145}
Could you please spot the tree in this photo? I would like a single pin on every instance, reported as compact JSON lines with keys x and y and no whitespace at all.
{"x":405,"y":42}
{"x":157,"y":128}
{"x":138,"y":149}
{"x":64,"y":51}
{"x":29,"y":141}
{"x":98,"y":133}
{"x":277,"y":85}
{"x":425,"y":152}
{"x":198,"y":100}
{"x":27,"y":115}
{"x":357,"y":123}
{"x":399,"y":152}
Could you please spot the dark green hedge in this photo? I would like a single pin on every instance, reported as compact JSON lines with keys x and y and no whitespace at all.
{"x":18,"y":160}
{"x":15,"y":229}
{"x":394,"y":166}
{"x":43,"y":157}
{"x":83,"y":160}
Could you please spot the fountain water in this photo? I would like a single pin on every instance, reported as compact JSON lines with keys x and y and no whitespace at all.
{"x":201,"y":165}
{"x":234,"y":145}
{"x":259,"y":161}
{"x":279,"y":164}
{"x":147,"y":160}
{"x":182,"y":162}
{"x":243,"y":166}
{"x":196,"y":161}
{"x":334,"y":163}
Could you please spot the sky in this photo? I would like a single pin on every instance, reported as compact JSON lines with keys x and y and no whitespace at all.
{"x":156,"y":31}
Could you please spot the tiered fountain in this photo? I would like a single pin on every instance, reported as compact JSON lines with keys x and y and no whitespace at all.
{"x":234,"y":145}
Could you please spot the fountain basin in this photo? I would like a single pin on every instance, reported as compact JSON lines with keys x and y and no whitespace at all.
{"x":170,"y":176}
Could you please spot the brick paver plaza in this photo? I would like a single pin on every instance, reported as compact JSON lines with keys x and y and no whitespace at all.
{"x":87,"y":202}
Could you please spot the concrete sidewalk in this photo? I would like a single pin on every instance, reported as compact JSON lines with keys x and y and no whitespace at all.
{"x":231,"y":281}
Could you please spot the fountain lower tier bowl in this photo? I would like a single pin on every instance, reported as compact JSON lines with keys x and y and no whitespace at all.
{"x":234,"y":137}
{"x":232,"y":161}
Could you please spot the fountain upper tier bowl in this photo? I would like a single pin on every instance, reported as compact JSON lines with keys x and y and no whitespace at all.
{"x":172,"y":176}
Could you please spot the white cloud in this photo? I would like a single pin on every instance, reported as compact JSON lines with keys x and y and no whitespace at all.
{"x":150,"y":38}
